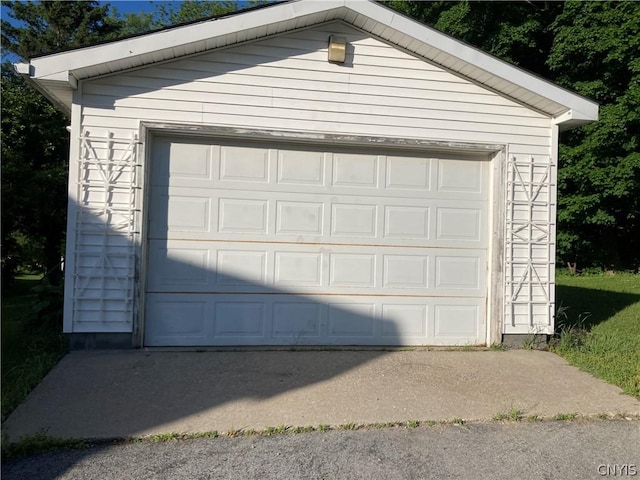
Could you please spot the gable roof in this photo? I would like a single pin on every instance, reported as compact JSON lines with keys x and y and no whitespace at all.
{"x":57,"y":75}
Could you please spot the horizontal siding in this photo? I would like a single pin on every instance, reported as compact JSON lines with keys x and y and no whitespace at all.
{"x":286,"y":83}
{"x":177,"y":83}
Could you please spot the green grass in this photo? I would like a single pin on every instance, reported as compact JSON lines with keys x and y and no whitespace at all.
{"x":513,"y":415}
{"x":565,"y":417}
{"x":29,"y":351}
{"x":598,"y":325}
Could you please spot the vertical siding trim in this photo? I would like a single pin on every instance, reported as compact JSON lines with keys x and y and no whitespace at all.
{"x":553,"y":207}
{"x":68,"y":322}
{"x":142,"y":206}
{"x":496,"y":274}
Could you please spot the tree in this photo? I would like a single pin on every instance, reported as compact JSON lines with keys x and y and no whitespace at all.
{"x":50,"y":26}
{"x":34,"y":170}
{"x":35,"y":143}
{"x":597,"y":53}
{"x":517,"y":32}
{"x":167,"y":14}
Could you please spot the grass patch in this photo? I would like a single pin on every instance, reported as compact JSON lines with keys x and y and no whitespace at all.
{"x":37,"y":444}
{"x":279,"y":430}
{"x":566,"y":417}
{"x":29,"y":348}
{"x":348,"y":426}
{"x":598,"y":325}
{"x":513,"y":415}
{"x":413,"y":424}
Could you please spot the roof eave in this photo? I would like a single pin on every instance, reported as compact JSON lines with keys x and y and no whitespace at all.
{"x":65,"y":82}
{"x":575,"y":118}
{"x":565,"y":108}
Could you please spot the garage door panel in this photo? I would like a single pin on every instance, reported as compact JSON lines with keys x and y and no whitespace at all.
{"x":255,"y":243}
{"x":456,"y":323}
{"x":184,"y":162}
{"x":461,"y":177}
{"x":177,"y":320}
{"x":222,"y":319}
{"x":214,"y":267}
{"x":269,"y":169}
{"x":307,"y":218}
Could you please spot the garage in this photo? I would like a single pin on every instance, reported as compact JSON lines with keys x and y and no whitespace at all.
{"x":306,"y":174}
{"x":258,"y":244}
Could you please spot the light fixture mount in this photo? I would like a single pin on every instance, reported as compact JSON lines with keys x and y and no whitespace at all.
{"x":337,"y":49}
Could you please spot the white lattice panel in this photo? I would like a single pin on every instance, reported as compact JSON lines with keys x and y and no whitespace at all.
{"x":106,"y":226}
{"x":529,"y":252}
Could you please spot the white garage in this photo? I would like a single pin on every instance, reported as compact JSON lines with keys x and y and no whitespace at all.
{"x":307,"y":173}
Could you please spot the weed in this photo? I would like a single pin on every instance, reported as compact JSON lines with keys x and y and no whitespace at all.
{"x":534,"y":340}
{"x":513,"y":415}
{"x":568,"y":417}
{"x":39,"y":443}
{"x":348,"y":426}
{"x":413,"y":423}
{"x":164,"y":437}
{"x":499,"y":347}
{"x":382,"y":425}
{"x":603,"y":416}
{"x":280,"y":429}
{"x":534,"y":418}
{"x":306,"y":429}
{"x":323,"y":427}
{"x":457,"y":421}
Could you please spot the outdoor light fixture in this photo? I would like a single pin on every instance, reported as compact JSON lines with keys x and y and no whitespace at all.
{"x":337,"y":49}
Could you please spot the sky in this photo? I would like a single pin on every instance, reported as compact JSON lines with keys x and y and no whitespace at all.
{"x":134,"y":6}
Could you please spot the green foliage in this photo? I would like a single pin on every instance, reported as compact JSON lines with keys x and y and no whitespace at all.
{"x":567,"y":417}
{"x":597,"y":53}
{"x":35,"y":151}
{"x":48,"y":26}
{"x":513,"y":415}
{"x":171,"y":13}
{"x":600,"y":332}
{"x":38,"y":444}
{"x":30,"y":346}
{"x":48,"y":308}
{"x":517,"y":32}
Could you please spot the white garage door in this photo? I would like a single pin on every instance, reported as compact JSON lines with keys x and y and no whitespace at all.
{"x":259,"y":244}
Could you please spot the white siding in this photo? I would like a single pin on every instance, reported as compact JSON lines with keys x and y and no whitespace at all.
{"x":285,"y":83}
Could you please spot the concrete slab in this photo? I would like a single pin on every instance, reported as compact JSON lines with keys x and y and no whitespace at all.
{"x":134,"y":393}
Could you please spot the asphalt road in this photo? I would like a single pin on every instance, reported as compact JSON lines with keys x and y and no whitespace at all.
{"x":549,"y":450}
